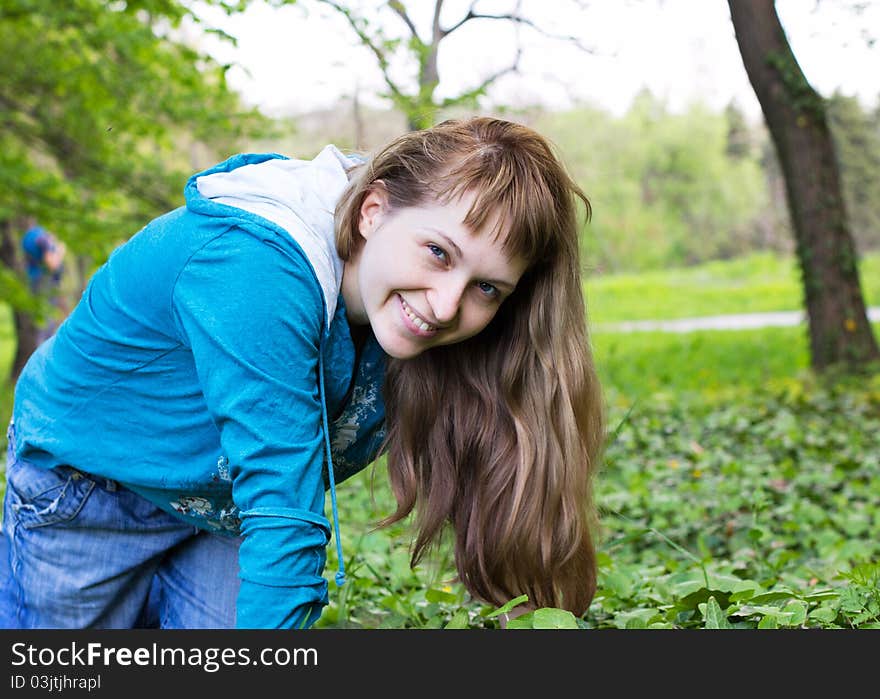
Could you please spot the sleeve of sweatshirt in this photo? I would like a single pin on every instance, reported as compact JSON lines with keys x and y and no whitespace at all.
{"x":252,"y":315}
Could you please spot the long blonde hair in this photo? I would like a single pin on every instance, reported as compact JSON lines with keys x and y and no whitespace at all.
{"x":498,"y":436}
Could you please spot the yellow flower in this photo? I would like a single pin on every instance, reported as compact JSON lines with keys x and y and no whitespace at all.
{"x":850,"y":325}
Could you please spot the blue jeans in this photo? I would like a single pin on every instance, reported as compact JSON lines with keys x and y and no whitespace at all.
{"x":79,"y":551}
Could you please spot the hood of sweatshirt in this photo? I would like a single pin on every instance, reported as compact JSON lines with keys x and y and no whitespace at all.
{"x":299,"y":196}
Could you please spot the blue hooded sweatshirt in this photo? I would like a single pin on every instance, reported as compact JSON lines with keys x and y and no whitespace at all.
{"x":209,"y":366}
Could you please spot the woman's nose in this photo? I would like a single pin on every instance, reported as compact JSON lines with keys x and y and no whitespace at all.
{"x":445,"y":299}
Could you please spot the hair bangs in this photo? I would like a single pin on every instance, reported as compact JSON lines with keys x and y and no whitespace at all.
{"x":512,"y":202}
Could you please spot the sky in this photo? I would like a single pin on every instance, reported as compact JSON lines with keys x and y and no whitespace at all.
{"x":301,"y":58}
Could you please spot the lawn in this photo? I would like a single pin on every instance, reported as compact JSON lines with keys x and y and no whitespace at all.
{"x":737,"y":490}
{"x":753,"y":284}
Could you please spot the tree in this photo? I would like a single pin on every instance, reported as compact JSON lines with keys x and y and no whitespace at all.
{"x":99,"y":107}
{"x":795,"y":113}
{"x":421,"y":105}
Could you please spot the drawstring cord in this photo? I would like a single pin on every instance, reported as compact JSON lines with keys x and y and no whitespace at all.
{"x":340,"y":575}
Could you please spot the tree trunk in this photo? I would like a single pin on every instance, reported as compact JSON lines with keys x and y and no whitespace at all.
{"x":26,"y":331}
{"x":840,"y":333}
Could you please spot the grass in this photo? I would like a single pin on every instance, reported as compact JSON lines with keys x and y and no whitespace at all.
{"x":644,"y":364}
{"x":753,"y":284}
{"x":737,"y":490}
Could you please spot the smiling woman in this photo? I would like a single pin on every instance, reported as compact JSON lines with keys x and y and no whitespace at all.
{"x":494,"y":432}
{"x":421,"y":278}
{"x":171,"y":444}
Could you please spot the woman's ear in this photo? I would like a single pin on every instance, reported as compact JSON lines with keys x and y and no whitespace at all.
{"x":373,"y":209}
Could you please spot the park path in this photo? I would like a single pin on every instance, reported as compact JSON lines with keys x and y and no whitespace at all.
{"x":741,"y":321}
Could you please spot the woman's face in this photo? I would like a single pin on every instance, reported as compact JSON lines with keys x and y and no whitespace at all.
{"x":421,"y":278}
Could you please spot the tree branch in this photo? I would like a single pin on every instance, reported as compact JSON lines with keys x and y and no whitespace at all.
{"x":518,"y":19}
{"x":481,"y":88}
{"x":436,"y":31}
{"x":398,"y":7}
{"x":369,"y":43}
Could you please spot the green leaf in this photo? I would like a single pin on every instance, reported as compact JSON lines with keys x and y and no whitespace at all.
{"x":798,"y":611}
{"x":552,"y":618}
{"x":714,"y":617}
{"x":526,"y":621}
{"x":693,"y":600}
{"x":821,"y":595}
{"x":851,"y":600}
{"x":687,"y":587}
{"x":765,"y":610}
{"x":756,"y":534}
{"x":440,"y":596}
{"x":725,"y":583}
{"x":508,"y":606}
{"x":459,"y":620}
{"x":619,"y":583}
{"x":824,"y":614}
{"x":636,"y":618}
{"x":744,"y":591}
{"x":768,"y":622}
{"x":773,"y":596}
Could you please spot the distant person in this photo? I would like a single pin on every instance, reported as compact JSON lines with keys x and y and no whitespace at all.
{"x":44,"y":262}
{"x":172,"y":444}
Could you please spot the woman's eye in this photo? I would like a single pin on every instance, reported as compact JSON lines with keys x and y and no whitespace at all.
{"x":437,"y":252}
{"x":488,"y":290}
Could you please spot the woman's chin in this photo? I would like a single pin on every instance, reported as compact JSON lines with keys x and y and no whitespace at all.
{"x":399,"y":347}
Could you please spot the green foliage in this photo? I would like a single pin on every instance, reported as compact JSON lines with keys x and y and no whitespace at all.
{"x":545,"y":618}
{"x":664,"y":189}
{"x":857,"y":143}
{"x":758,"y":512}
{"x":773,"y":496}
{"x":672,"y":189}
{"x":102,"y":104}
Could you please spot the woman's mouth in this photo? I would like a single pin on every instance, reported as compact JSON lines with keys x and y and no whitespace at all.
{"x":414,"y":322}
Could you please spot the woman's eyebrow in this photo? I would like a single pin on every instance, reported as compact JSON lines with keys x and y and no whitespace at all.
{"x":445,"y":237}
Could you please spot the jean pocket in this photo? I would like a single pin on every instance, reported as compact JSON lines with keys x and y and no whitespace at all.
{"x":39,"y":496}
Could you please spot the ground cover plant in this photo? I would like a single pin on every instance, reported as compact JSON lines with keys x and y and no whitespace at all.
{"x":737,"y":490}
{"x":758,"y":512}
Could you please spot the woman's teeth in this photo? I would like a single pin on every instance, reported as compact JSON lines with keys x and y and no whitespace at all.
{"x":418,"y":322}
